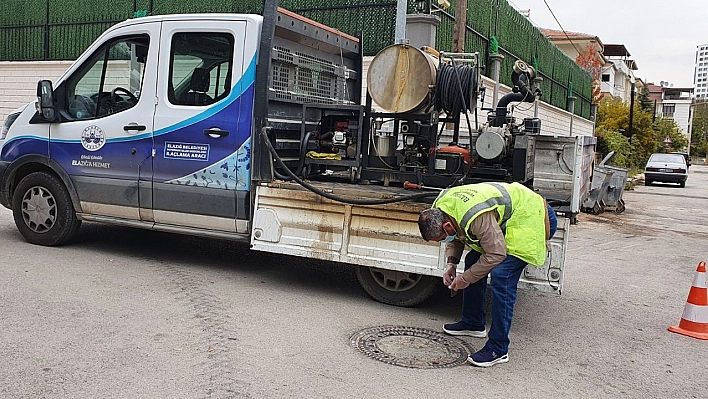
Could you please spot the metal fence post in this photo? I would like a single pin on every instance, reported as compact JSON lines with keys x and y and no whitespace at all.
{"x":495,"y":60}
{"x":537,"y":86}
{"x":571,"y":109}
{"x":46,"y":33}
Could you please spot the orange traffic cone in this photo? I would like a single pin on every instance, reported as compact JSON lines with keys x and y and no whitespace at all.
{"x":694,"y":321}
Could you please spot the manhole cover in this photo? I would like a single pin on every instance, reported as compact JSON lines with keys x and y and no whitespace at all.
{"x":418,"y":348}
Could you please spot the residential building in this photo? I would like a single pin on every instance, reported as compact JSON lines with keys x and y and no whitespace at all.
{"x":618,"y":74}
{"x":673,"y":102}
{"x":616,"y":69}
{"x":585,"y":49}
{"x":572,"y":43}
{"x":700,"y":74}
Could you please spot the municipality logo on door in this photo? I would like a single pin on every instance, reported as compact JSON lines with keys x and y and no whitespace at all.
{"x":93,"y":138}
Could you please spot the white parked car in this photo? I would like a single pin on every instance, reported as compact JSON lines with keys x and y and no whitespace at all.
{"x":668,"y":168}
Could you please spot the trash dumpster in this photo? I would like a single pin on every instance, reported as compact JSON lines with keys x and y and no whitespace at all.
{"x":607,"y":187}
{"x":598,"y":189}
{"x":615,"y":189}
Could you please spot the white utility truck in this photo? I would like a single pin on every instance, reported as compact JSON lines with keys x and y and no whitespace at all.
{"x":251,"y":127}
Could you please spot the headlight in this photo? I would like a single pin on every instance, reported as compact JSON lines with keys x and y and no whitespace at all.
{"x":6,"y":126}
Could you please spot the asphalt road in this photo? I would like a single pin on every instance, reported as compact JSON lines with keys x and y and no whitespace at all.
{"x":125,"y":313}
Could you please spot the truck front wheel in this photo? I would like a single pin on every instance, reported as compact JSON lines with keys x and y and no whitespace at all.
{"x":42,"y":210}
{"x":396,"y":288}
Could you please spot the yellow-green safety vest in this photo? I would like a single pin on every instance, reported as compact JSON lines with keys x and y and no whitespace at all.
{"x":522,"y":216}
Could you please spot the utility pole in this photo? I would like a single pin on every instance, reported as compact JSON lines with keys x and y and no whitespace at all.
{"x":631,"y":111}
{"x":401,"y":12}
{"x":458,"y":36}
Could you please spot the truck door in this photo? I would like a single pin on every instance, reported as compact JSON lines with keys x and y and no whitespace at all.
{"x":107,"y":102}
{"x":197,"y":136}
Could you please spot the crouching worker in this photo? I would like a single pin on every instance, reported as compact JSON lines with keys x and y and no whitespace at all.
{"x":507,"y":227}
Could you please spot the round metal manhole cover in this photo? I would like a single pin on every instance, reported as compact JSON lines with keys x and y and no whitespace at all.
{"x":411,"y":347}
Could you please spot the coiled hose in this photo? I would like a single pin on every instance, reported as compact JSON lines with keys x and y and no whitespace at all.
{"x":450,"y":79}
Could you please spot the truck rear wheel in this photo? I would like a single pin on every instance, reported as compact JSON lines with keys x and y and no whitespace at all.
{"x":42,"y":210}
{"x":396,"y":288}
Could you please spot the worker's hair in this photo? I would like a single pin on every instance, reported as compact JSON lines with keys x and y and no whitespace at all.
{"x":430,"y":223}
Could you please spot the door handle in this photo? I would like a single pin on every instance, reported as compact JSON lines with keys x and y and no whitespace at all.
{"x":134,"y":126}
{"x":215,"y":132}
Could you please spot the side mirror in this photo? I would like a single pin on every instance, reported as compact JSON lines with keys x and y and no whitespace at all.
{"x":45,"y":100}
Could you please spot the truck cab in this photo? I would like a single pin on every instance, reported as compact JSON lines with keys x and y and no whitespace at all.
{"x":151,"y":125}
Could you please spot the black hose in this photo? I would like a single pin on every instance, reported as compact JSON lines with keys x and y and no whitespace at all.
{"x":271,"y":149}
{"x":454,"y":85}
{"x":465,"y":105}
{"x":301,"y":160}
{"x":521,"y":94}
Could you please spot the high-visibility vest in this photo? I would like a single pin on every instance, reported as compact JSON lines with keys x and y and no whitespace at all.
{"x":522,"y":216}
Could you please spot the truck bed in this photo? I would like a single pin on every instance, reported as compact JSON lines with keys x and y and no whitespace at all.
{"x":292,"y":220}
{"x":289,"y":219}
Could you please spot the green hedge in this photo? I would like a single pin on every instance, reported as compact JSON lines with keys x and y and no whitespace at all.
{"x":74,"y":24}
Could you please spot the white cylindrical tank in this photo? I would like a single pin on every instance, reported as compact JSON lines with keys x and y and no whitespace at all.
{"x":491,"y":143}
{"x":401,"y":78}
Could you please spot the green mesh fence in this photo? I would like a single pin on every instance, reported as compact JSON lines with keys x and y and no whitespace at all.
{"x":62,"y":29}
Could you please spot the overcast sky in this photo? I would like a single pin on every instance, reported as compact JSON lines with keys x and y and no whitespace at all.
{"x":661,"y":35}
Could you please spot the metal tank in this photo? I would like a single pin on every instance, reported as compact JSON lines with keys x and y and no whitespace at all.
{"x":402,"y":78}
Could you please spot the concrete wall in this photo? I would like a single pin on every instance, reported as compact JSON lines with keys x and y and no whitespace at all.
{"x":18,"y":81}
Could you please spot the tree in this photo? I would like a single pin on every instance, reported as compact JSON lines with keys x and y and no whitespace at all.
{"x":644,"y":100}
{"x":609,"y":140}
{"x":588,"y":59}
{"x":699,"y":135}
{"x":668,"y":129}
{"x":633,"y":148}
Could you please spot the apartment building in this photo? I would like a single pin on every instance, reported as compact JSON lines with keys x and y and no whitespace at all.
{"x":700,"y":74}
{"x":618,"y":73}
{"x":673,"y":102}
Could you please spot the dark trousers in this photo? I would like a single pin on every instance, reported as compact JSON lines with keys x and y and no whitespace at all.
{"x":504,"y":280}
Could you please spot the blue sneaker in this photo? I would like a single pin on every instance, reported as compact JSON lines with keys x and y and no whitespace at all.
{"x":462,"y":328}
{"x":486,"y":357}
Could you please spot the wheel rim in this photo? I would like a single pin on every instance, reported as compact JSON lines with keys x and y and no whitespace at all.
{"x":39,"y":209}
{"x":394,"y":280}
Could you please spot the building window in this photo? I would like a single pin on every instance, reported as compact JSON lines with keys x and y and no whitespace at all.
{"x":605,"y":77}
{"x":668,"y":110}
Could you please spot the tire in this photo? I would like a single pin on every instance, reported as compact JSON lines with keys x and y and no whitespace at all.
{"x":396,"y":288}
{"x":647,"y":182}
{"x":682,"y":184}
{"x":42,"y":209}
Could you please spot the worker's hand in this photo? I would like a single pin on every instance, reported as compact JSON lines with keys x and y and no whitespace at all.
{"x":459,"y":283}
{"x":449,"y":274}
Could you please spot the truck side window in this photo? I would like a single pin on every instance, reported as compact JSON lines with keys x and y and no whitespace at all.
{"x":110,"y":81}
{"x":200,"y":68}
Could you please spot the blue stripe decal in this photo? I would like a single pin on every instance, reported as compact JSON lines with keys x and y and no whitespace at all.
{"x":28,"y":137}
{"x":248,"y":79}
